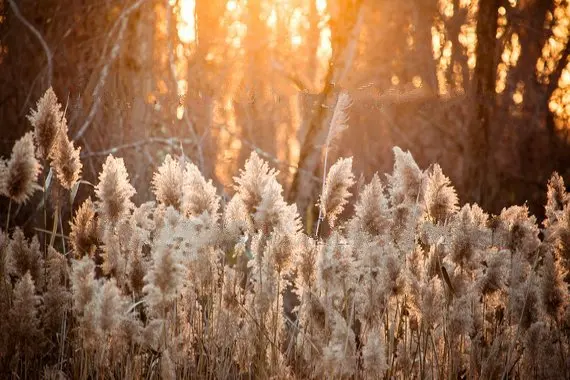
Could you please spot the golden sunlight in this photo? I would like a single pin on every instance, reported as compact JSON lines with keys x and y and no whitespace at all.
{"x":187,"y":23}
{"x":201,"y":193}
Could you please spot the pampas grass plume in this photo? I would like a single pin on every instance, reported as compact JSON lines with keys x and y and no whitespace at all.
{"x":440,"y":197}
{"x":24,"y":314}
{"x":83,"y":235}
{"x":167,"y":183}
{"x":114,"y":191}
{"x":83,"y":283}
{"x":65,"y":160}
{"x":25,"y":257}
{"x":47,"y":120}
{"x":252,"y":180}
{"x":556,"y":199}
{"x":164,"y":279}
{"x":335,"y":195}
{"x":339,"y":118}
{"x":113,"y":306}
{"x":553,"y":289}
{"x":372,"y":214}
{"x":199,"y":195}
{"x":406,"y":179}
{"x":21,"y":172}
{"x":374,"y":354}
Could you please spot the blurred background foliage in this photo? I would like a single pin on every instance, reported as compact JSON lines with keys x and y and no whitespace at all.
{"x":482,"y":87}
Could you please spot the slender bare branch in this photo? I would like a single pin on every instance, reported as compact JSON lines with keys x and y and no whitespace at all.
{"x":122,"y":22}
{"x":267,"y":155}
{"x":173,"y":141}
{"x":38,"y":35}
{"x":301,"y":83}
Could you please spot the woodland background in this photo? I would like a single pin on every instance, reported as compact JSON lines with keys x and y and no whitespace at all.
{"x":479,"y":86}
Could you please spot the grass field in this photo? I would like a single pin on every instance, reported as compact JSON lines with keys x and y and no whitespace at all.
{"x":406,"y":284}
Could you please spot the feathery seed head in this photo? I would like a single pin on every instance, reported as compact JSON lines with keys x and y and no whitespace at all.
{"x":56,"y":268}
{"x":494,"y":271}
{"x":518,"y":231}
{"x":113,"y":306}
{"x":83,"y":283}
{"x":167,"y":183}
{"x":21,"y":173}
{"x":284,"y":248}
{"x":65,"y":160}
{"x":335,"y":192}
{"x":372,"y":214}
{"x":253,"y":180}
{"x":374,"y":354}
{"x":556,"y":199}
{"x":440,"y":197}
{"x":553,"y":289}
{"x":339,"y":118}
{"x":25,"y":256}
{"x":47,"y":120}
{"x":165,"y":277}
{"x":199,"y":195}
{"x":406,"y":181}
{"x":272,"y":212}
{"x":336,"y":265}
{"x":339,"y":356}
{"x":24,"y":314}
{"x":236,"y":221}
{"x":470,"y":234}
{"x":305,"y":262}
{"x":114,"y":191}
{"x":83,"y":235}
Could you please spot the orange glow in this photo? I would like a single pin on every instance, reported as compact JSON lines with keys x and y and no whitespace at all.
{"x":231,"y":6}
{"x":295,"y":26}
{"x":187,"y":23}
{"x":552,"y":49}
{"x":443,"y":47}
{"x":509,"y":58}
{"x":321,"y":6}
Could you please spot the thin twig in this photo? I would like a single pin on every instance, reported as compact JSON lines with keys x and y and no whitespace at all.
{"x":49,"y":232}
{"x":8,"y":216}
{"x":298,"y":81}
{"x":172,"y":141}
{"x":38,"y":35}
{"x":265,"y":154}
{"x":337,"y":124}
{"x":25,"y":107}
{"x":123,"y":21}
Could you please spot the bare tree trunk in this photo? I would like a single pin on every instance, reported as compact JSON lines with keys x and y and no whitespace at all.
{"x":208,"y":34}
{"x":345,"y":28}
{"x":423,"y":15}
{"x":138,"y":56}
{"x":457,"y":55}
{"x":257,"y":107}
{"x":313,"y":38}
{"x":557,"y":146}
{"x":477,"y":171}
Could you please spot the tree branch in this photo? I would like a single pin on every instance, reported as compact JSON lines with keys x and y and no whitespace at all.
{"x":173,"y":141}
{"x":122,"y":20}
{"x":38,"y":35}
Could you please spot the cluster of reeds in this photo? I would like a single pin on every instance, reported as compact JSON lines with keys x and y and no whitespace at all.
{"x":411,"y":286}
